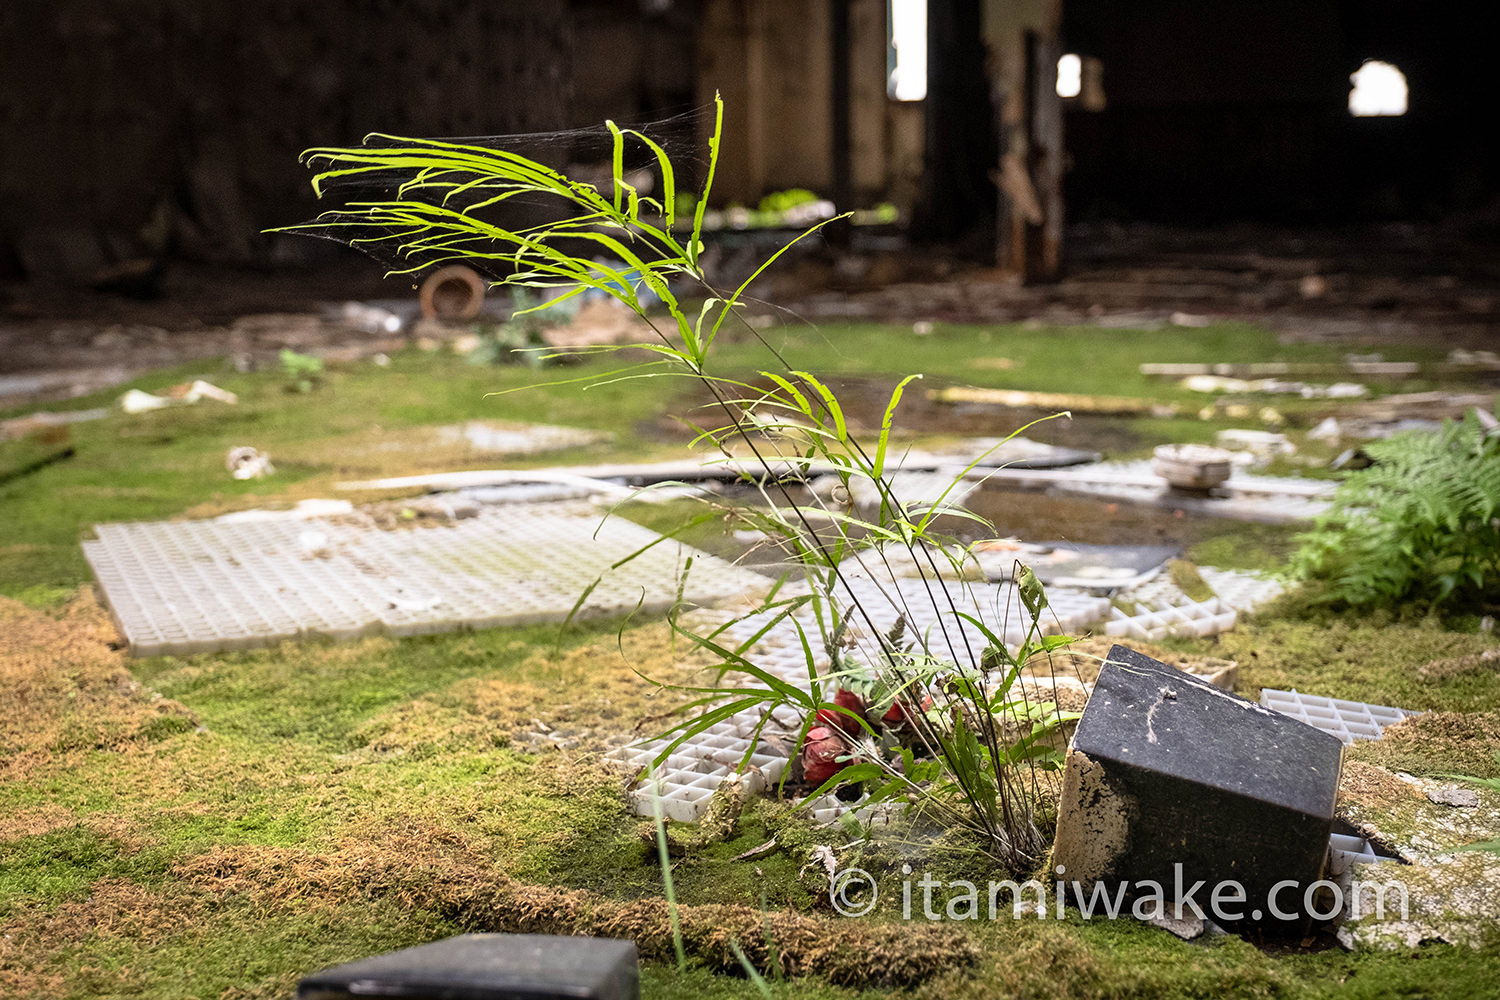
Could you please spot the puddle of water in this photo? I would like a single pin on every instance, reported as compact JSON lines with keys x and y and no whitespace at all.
{"x":1036,"y":514}
{"x":864,"y":401}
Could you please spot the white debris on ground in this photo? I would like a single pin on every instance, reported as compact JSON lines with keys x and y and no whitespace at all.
{"x":496,"y":437}
{"x":245,"y":462}
{"x":135,"y":401}
{"x":1245,"y":497}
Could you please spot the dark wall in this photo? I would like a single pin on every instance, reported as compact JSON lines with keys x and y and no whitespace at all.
{"x":1223,"y":110}
{"x":128,"y":126}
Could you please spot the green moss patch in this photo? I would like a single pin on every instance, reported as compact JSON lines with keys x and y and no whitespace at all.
{"x":1436,"y":743}
{"x":1372,"y":658}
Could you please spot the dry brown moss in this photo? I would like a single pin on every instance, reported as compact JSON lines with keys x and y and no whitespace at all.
{"x":31,"y":943}
{"x":1038,"y":960}
{"x":65,"y":687}
{"x":586,"y":699}
{"x":1370,"y":785}
{"x":420,"y":866}
{"x":1460,"y":666}
{"x":34,"y":822}
{"x":595,"y":690}
{"x":1082,"y":659}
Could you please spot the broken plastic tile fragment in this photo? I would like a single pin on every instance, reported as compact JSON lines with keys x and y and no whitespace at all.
{"x":1347,"y":720}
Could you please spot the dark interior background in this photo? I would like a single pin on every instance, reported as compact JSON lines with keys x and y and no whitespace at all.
{"x":1223,"y":111}
{"x":172,"y":127}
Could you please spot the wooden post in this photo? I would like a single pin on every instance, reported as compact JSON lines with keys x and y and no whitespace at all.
{"x":1025,"y":49}
{"x":1044,"y":257}
{"x":842,"y":118}
{"x":755,"y":98}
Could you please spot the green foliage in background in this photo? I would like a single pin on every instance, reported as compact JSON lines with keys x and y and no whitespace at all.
{"x":303,"y":372}
{"x":1421,"y":524}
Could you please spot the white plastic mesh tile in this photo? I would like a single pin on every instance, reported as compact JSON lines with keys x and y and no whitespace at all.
{"x":1190,"y":618}
{"x":1088,"y":567}
{"x":1158,"y":592}
{"x":199,"y":586}
{"x":932,"y":609}
{"x":1348,"y":720}
{"x":1158,"y":608}
{"x":687,"y":779}
{"x":1240,"y":590}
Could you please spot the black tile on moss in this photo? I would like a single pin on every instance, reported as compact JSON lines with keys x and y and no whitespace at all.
{"x":1166,"y":769}
{"x":488,"y":967}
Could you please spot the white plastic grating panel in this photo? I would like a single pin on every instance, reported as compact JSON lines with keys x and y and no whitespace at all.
{"x":1348,"y":720}
{"x":1191,"y":618}
{"x":1157,"y":592}
{"x":198,"y":586}
{"x":687,"y":779}
{"x":1240,"y":590}
{"x":1161,"y":609}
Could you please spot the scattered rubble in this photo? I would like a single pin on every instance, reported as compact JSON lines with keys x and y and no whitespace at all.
{"x":32,"y":423}
{"x":245,"y":462}
{"x":1254,"y":447}
{"x":1193,"y":467}
{"x":1274,"y":387}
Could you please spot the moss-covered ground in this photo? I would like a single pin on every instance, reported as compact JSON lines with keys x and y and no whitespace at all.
{"x":220,"y":825}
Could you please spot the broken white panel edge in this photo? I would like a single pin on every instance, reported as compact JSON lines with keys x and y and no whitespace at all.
{"x":1348,"y":720}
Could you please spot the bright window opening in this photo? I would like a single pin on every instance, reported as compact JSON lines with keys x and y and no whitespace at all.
{"x":908,"y":59}
{"x":1379,"y":89}
{"x":1069,"y":76}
